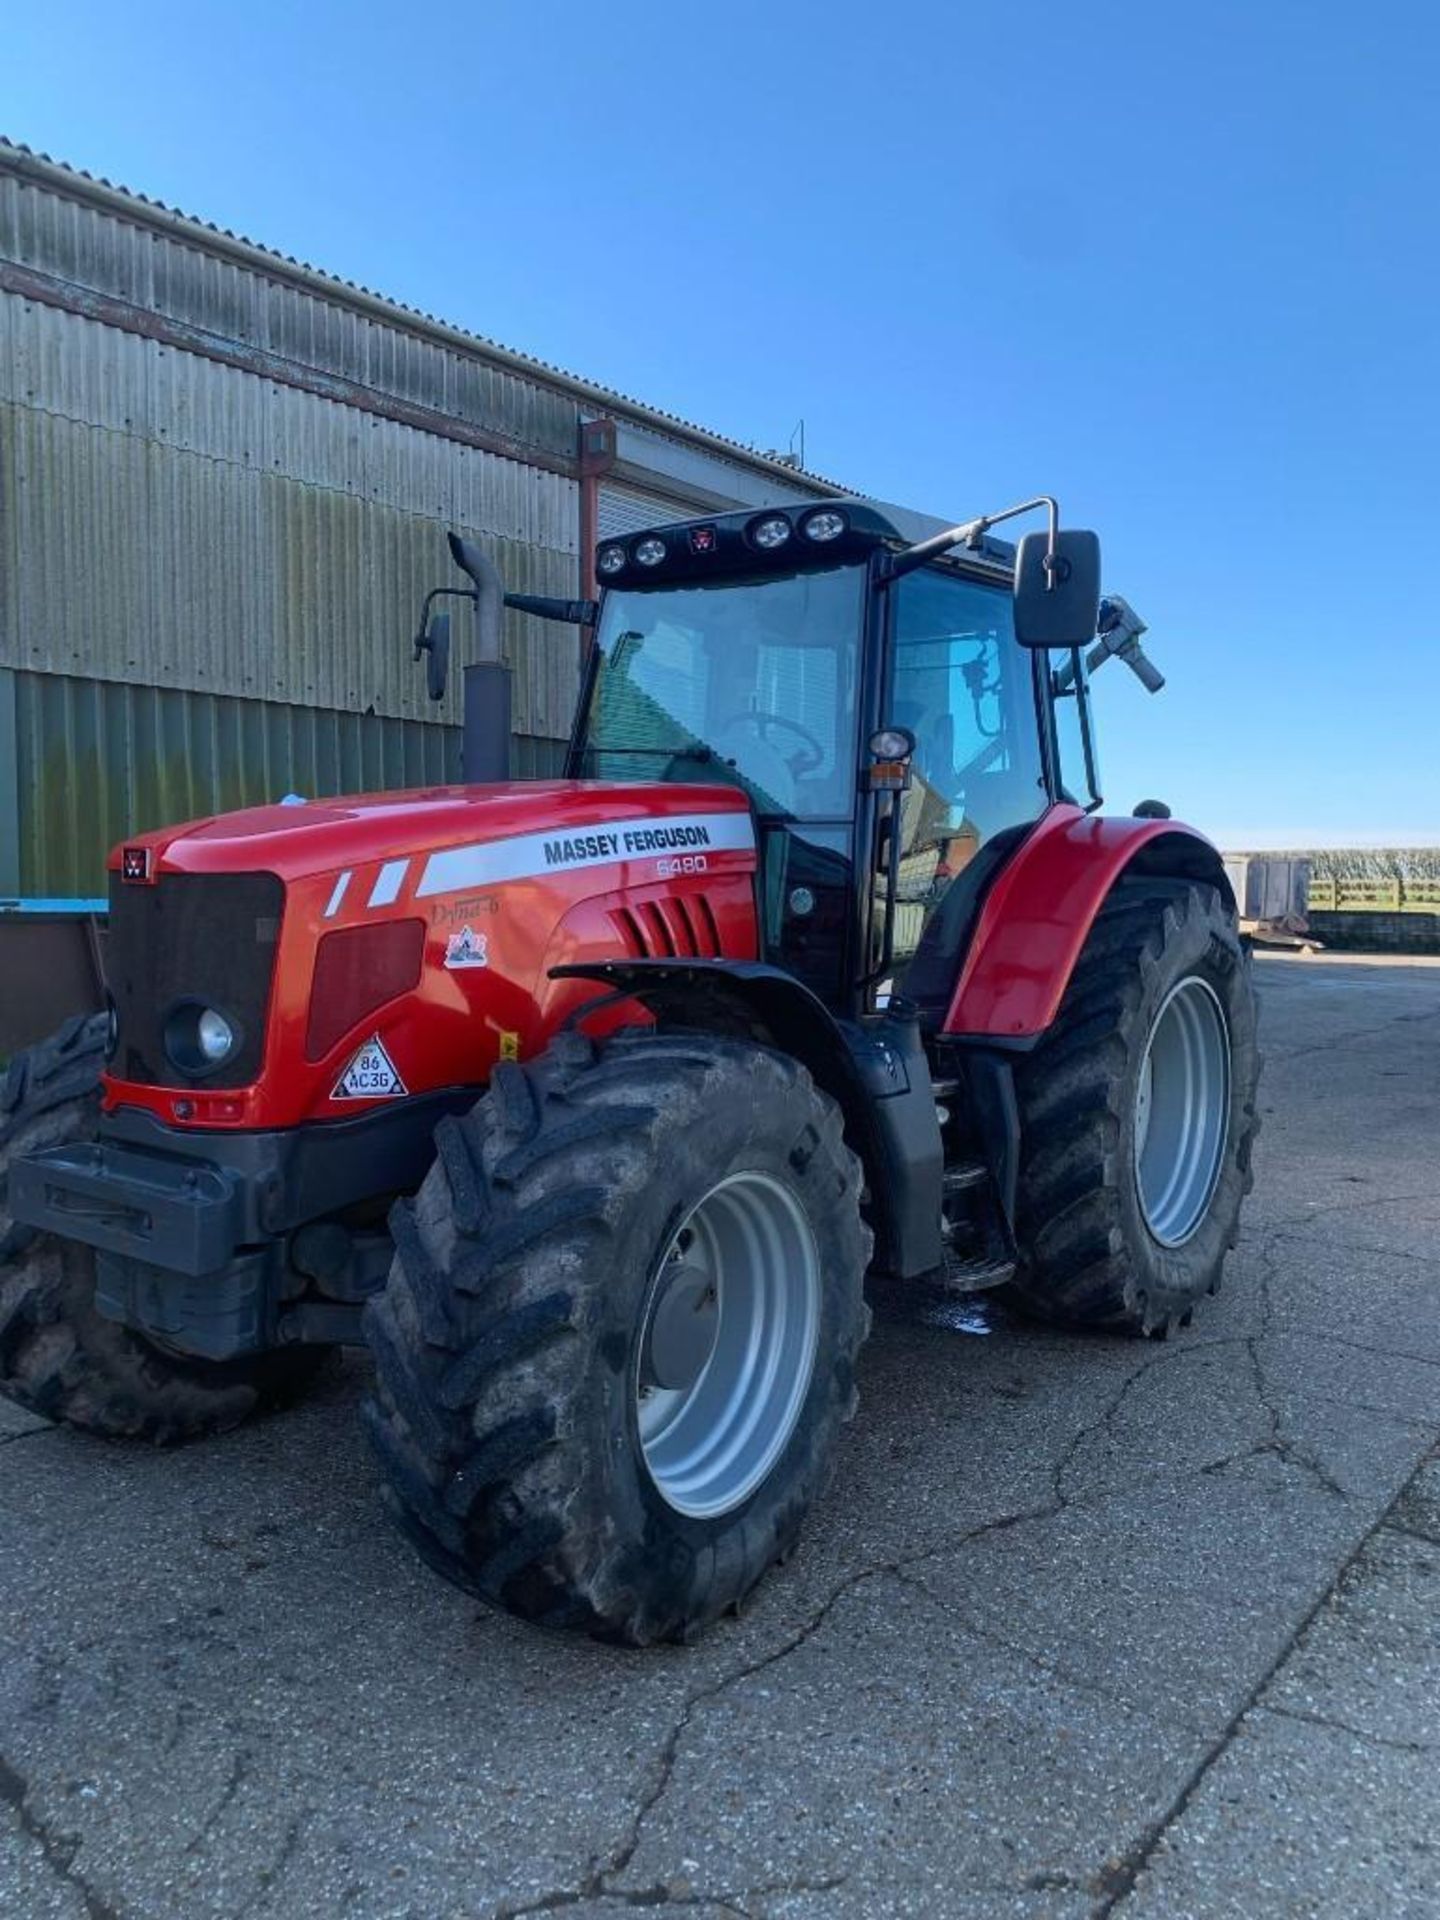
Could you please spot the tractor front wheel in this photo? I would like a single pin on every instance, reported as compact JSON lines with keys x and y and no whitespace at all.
{"x":620,"y":1332}
{"x":58,"y":1356}
{"x":1137,"y":1115}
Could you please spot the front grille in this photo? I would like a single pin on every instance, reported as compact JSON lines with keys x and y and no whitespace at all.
{"x":207,"y":937}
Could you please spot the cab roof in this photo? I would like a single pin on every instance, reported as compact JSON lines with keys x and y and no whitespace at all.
{"x":719,"y":545}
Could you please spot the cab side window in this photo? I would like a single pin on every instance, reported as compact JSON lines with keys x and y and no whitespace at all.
{"x":964,"y":687}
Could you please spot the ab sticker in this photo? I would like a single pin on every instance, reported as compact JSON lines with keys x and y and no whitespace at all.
{"x":467,"y":949}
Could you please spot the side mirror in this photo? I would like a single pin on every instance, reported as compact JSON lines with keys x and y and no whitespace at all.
{"x":434,"y":643}
{"x":1057,"y":606}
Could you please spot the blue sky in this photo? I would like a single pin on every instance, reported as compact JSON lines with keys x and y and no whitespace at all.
{"x":1176,"y":264}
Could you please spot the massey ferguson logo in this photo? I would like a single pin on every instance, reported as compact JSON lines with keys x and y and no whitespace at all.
{"x":622,"y":845}
{"x":135,"y":864}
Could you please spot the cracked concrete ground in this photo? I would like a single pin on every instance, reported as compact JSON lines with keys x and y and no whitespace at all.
{"x":1082,"y":1627}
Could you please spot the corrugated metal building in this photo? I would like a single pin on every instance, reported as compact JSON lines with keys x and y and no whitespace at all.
{"x":224,"y":482}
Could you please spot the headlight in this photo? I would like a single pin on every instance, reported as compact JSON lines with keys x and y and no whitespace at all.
{"x":214,"y":1035}
{"x":610,"y":560}
{"x":198,"y":1039}
{"x":825,"y":525}
{"x":771,"y":532}
{"x":650,"y":552}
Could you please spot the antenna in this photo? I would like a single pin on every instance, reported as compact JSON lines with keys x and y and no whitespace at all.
{"x":792,"y":457}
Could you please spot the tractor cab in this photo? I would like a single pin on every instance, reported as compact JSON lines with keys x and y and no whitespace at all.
{"x":894,"y":736}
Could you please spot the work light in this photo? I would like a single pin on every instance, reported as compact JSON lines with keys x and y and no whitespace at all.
{"x":825,"y":525}
{"x":892,"y":743}
{"x":611,"y":560}
{"x":650,"y":552}
{"x":891,"y":751}
{"x":771,"y":532}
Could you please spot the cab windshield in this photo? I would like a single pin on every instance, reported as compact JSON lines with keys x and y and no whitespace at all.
{"x":750,"y":681}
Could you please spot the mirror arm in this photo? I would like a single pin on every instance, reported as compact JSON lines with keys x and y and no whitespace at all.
{"x":577,"y":613}
{"x":436,"y":593}
{"x":969,"y":534}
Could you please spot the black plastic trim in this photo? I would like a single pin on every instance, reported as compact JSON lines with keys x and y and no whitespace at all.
{"x":188,"y":1201}
{"x":990,"y":1078}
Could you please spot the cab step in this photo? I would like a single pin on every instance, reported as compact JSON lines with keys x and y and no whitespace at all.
{"x":978,"y":1253}
{"x":975,"y":1275}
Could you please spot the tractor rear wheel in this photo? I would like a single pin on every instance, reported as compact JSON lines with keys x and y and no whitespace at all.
{"x":619,"y":1336}
{"x":58,"y":1357}
{"x":1138,"y":1116}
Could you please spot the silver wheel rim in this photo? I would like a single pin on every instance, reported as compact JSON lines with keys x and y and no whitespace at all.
{"x":745,"y":1257}
{"x":1182,"y":1111}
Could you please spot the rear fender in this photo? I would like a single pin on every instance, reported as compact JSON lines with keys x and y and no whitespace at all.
{"x":1041,"y":907}
{"x":878,"y":1074}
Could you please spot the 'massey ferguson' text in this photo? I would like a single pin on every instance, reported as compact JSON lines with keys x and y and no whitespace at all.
{"x":623,"y":844}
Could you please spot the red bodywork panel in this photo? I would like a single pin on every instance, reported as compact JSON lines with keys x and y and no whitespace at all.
{"x":541,"y":873}
{"x":1038,"y":914}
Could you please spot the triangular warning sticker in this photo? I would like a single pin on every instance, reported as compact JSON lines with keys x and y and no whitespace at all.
{"x":370,"y":1075}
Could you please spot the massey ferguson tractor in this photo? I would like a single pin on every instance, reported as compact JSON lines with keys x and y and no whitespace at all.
{"x":588,"y":1104}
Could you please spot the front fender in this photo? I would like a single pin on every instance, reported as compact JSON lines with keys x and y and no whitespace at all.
{"x":1039,"y":912}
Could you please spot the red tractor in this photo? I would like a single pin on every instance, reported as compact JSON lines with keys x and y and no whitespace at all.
{"x":588,"y":1104}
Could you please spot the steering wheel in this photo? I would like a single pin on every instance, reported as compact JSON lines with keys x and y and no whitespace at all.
{"x":815,"y":753}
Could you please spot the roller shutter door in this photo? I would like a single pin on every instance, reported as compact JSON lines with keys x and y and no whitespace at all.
{"x":625,"y":510}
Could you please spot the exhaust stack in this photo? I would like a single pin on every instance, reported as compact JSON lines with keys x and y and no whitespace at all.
{"x":485,"y":744}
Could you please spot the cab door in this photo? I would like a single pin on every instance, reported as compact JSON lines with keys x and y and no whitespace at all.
{"x":967,"y":691}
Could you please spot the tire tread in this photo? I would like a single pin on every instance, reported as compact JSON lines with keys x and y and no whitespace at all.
{"x":478,"y":1412}
{"x":1076,"y":1268}
{"x":58,"y":1357}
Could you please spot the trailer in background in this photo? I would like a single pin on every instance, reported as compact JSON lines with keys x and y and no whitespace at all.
{"x":1357,"y":899}
{"x":1272,"y":895}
